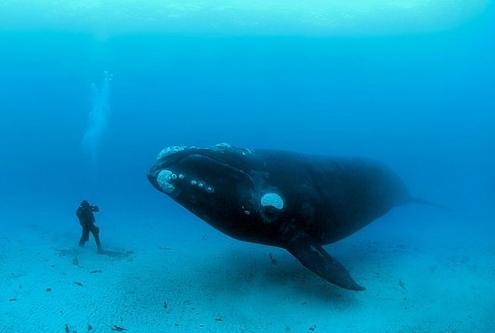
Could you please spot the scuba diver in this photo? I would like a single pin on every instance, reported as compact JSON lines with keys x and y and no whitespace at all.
{"x":87,"y":221}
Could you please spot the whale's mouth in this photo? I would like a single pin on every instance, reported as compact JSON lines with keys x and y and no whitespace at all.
{"x":198,"y":171}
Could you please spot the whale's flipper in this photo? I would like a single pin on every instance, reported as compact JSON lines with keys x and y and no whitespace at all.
{"x":317,"y":260}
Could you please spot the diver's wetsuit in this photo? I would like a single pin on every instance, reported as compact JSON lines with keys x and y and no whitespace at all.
{"x":87,"y":221}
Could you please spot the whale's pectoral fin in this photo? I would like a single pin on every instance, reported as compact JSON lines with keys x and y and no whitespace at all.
{"x":317,"y":260}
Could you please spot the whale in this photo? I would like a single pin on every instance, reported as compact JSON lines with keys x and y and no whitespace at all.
{"x":294,"y":201}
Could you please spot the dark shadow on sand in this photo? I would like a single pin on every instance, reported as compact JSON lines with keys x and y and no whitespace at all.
{"x":242,"y":273}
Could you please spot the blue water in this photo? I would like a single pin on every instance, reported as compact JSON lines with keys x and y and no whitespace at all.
{"x":84,"y":118}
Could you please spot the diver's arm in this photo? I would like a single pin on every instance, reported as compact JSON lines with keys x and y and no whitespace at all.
{"x":95,"y":209}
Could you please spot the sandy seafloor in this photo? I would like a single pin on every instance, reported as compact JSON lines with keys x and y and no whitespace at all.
{"x":183,"y":276}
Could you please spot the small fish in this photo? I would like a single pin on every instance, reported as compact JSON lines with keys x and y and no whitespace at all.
{"x":402,"y":284}
{"x":218,"y":319}
{"x":17,"y":275}
{"x":48,"y":290}
{"x":90,"y":328}
{"x":12,"y":299}
{"x":96,"y":271}
{"x":67,"y":328}
{"x":118,"y":328}
{"x":78,"y":284}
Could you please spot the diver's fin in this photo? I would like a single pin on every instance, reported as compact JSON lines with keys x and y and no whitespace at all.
{"x":317,"y":260}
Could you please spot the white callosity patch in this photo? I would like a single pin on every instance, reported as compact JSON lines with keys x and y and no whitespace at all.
{"x":246,"y":152}
{"x":199,"y":184}
{"x":272,"y":200}
{"x":223,"y":145}
{"x":170,"y":150}
{"x":246,"y":212}
{"x":227,"y":147}
{"x":164,"y":179}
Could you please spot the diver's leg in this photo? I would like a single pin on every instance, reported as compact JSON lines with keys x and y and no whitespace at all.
{"x":84,"y":236}
{"x":96,"y":234}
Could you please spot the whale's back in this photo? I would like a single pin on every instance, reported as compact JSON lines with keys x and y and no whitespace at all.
{"x":347,"y":193}
{"x":354,"y":193}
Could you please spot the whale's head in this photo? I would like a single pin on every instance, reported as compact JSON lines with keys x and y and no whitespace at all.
{"x":219,"y":184}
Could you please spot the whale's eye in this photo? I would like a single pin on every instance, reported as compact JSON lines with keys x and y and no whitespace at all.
{"x":272,"y":200}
